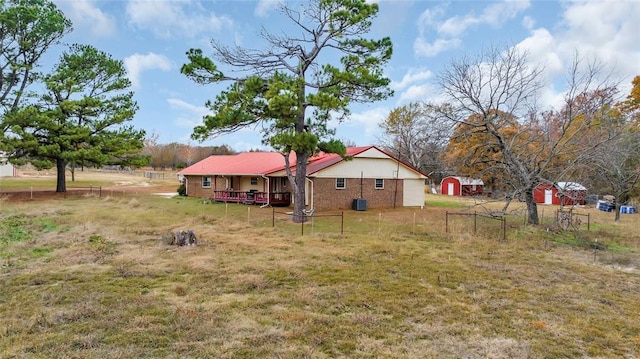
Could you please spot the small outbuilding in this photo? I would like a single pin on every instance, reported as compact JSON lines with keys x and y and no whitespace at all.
{"x":6,"y":168}
{"x":560,"y":193}
{"x":461,"y":186}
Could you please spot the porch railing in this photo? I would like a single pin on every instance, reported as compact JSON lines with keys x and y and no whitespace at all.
{"x":253,"y":197}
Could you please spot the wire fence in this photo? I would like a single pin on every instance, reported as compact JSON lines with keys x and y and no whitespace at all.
{"x":479,"y":222}
{"x":39,"y":194}
{"x":315,"y":222}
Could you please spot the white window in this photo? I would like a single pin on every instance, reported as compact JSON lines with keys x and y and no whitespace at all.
{"x":254,"y":181}
{"x":206,"y":182}
{"x":341,"y":183}
{"x":379,"y":183}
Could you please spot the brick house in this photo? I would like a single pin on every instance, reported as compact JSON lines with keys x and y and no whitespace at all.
{"x":332,"y":182}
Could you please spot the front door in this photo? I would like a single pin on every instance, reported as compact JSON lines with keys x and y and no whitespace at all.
{"x":548,"y":196}
{"x":450,"y":189}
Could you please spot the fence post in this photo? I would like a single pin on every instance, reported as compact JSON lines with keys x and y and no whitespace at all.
{"x":301,"y":223}
{"x":414,"y":222}
{"x":475,"y":222}
{"x":273,"y":217}
{"x":342,"y":222}
{"x":446,"y":222}
{"x":588,"y":222}
{"x":100,"y":191}
{"x":248,"y":215}
{"x":504,"y":228}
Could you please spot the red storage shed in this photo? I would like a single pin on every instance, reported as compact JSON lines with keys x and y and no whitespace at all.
{"x":560,"y":193}
{"x":461,"y":186}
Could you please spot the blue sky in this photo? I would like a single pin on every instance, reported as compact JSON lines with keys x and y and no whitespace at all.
{"x":152,"y":36}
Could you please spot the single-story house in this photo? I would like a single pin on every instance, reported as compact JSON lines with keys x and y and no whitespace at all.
{"x":560,"y":193}
{"x":461,"y":186}
{"x":6,"y":168}
{"x":332,"y":182}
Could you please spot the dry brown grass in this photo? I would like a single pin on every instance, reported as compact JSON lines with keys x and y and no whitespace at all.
{"x":94,"y":280}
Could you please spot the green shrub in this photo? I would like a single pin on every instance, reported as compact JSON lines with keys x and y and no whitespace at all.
{"x":182,"y":190}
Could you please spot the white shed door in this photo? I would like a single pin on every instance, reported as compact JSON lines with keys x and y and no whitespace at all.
{"x":450,"y":189}
{"x":548,"y":196}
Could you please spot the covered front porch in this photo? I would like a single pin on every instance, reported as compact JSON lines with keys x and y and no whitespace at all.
{"x":278,"y":199}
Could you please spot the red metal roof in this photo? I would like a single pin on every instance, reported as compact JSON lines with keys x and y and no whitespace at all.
{"x":262,"y":163}
{"x":246,"y":163}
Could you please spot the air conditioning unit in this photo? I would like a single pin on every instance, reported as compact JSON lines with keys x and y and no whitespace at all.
{"x":360,"y":204}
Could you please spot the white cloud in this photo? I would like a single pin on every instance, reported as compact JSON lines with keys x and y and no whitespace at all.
{"x":170,"y":19}
{"x":264,"y":6}
{"x":412,"y":76}
{"x":137,"y":63}
{"x":450,"y":31}
{"x":198,"y":111}
{"x":603,"y":30}
{"x":366,"y":124}
{"x":606,"y":29}
{"x":87,"y":18}
{"x":528,"y":22}
{"x":541,"y":47}
{"x":429,"y":18}
{"x":423,"y":48}
{"x":417,"y":93}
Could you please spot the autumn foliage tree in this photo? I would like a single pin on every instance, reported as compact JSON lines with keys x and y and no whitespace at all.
{"x":473,"y":152}
{"x":494,"y":100}
{"x":305,"y":77}
{"x":417,"y":135}
{"x":615,"y":168}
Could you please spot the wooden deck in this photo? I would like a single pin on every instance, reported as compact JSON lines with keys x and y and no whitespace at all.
{"x":278,"y":199}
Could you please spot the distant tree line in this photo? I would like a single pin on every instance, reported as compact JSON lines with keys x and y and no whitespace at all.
{"x":178,"y":155}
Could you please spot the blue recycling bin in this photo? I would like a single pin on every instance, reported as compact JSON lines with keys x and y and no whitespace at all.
{"x":627,"y":209}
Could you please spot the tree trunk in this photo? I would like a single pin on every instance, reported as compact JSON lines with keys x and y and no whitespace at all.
{"x":299,"y":193}
{"x":73,"y":172}
{"x":532,"y":207}
{"x":61,"y":184}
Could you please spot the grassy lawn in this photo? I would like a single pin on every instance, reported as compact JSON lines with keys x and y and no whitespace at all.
{"x":89,"y":277}
{"x":47,"y":180}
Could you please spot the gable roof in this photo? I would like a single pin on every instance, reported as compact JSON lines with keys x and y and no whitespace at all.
{"x":245,"y":163}
{"x":264,"y":163}
{"x":324,"y":161}
{"x":570,"y":186}
{"x":467,"y":181}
